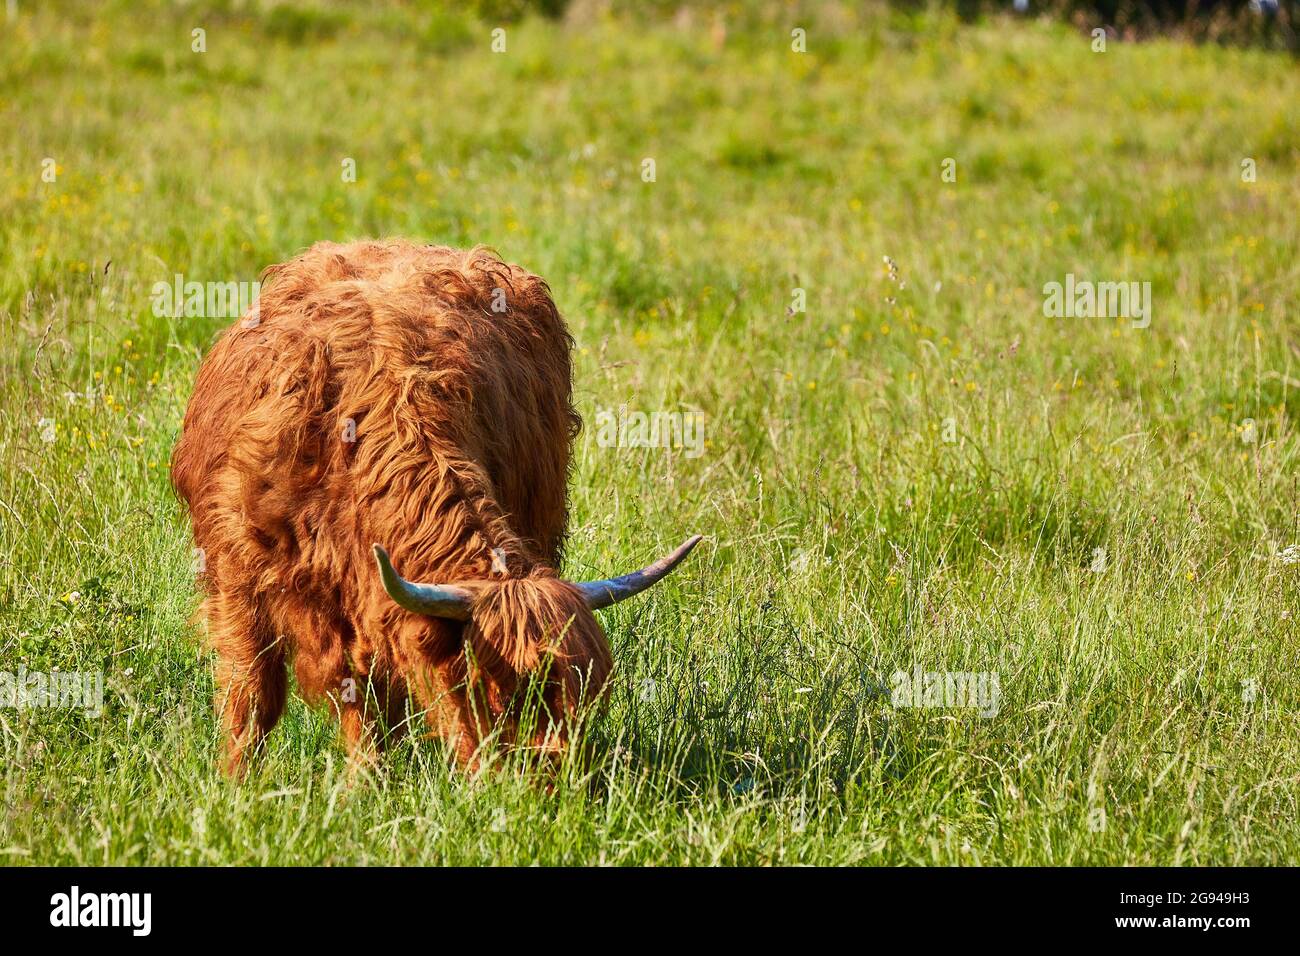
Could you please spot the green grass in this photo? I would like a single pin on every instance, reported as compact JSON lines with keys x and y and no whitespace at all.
{"x":846,"y":539}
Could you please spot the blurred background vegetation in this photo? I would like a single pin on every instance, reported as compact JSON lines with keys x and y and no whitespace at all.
{"x":1261,"y":22}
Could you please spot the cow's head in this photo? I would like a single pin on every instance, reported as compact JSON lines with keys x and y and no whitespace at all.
{"x":530,"y":633}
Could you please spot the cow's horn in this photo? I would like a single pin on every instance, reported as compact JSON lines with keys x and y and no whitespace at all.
{"x":435,"y":600}
{"x":601,"y":594}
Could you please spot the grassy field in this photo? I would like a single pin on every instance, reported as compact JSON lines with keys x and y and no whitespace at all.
{"x":916,"y":470}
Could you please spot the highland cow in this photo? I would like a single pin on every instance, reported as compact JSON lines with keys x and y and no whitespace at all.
{"x":386,"y":395}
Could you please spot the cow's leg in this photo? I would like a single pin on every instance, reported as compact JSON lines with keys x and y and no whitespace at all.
{"x":325,"y":647}
{"x":428,"y":656}
{"x":250,"y":674}
{"x":438,"y":692}
{"x":369,"y":723}
{"x":372,"y":720}
{"x":360,"y":734}
{"x":462,"y":718}
{"x":391,"y":695}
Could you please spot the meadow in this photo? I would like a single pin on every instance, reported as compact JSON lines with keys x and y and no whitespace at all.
{"x":906,"y":465}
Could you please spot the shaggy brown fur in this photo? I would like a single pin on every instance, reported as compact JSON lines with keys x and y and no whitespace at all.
{"x":463,"y":430}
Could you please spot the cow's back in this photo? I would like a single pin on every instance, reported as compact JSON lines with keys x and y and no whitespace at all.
{"x":356,"y":360}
